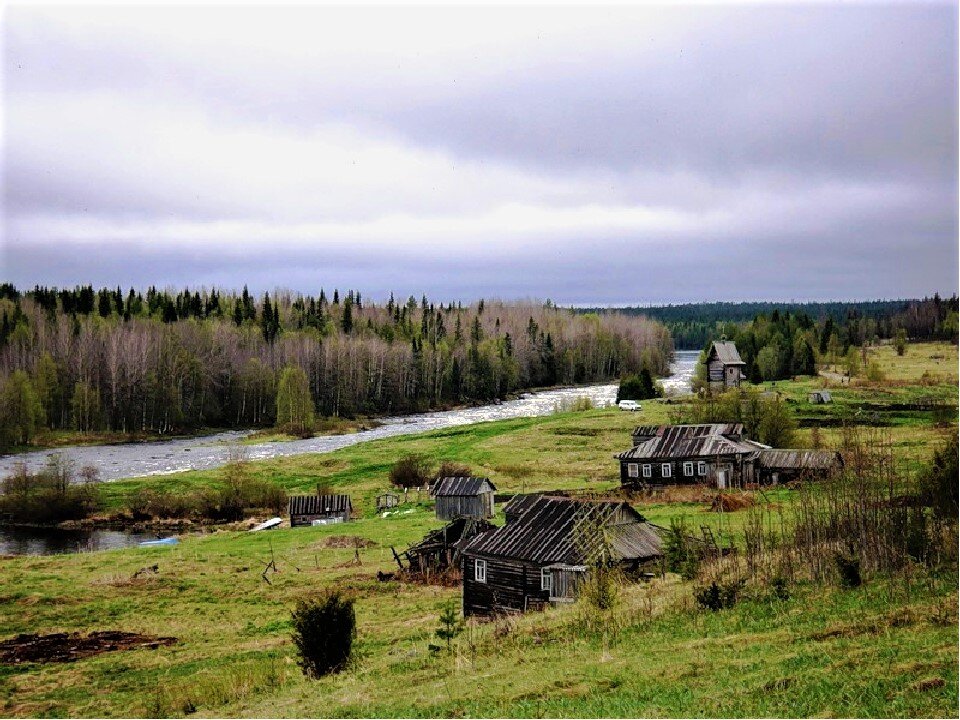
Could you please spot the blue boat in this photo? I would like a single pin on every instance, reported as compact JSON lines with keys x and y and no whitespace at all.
{"x":164,"y":541}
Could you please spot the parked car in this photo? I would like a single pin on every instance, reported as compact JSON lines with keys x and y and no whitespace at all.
{"x":631,"y":405}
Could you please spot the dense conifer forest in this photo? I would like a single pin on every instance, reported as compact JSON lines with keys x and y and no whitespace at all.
{"x":694,"y":325}
{"x":165,"y":362}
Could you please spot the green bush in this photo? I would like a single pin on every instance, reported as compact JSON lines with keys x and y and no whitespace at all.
{"x":410,"y":471}
{"x":324,"y":629}
{"x":718,"y":596}
{"x":848,"y":567}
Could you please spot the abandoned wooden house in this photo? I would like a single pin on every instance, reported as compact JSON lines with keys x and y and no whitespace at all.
{"x":319,"y":509}
{"x":542,"y":555}
{"x":440,"y":549}
{"x":725,"y":368}
{"x":717,"y":454}
{"x":463,"y":497}
{"x":820,"y":397}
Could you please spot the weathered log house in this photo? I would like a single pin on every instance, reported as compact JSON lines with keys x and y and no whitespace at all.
{"x":464,"y":497}
{"x":542,"y":554}
{"x":725,"y":368}
{"x":442,"y":548}
{"x":322,"y":509}
{"x":717,"y":454}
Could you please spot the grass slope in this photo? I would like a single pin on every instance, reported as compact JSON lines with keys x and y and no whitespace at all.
{"x":887,"y":649}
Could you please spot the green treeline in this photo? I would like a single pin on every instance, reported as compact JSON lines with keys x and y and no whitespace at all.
{"x":694,"y":325}
{"x":164,"y":362}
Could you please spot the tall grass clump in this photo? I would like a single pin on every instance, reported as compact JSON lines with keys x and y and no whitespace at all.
{"x":324,"y":629}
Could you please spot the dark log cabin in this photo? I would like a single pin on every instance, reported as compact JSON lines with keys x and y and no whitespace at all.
{"x":464,"y":497}
{"x":322,"y":509}
{"x":541,"y":555}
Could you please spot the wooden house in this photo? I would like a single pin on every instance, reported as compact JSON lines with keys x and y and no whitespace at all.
{"x":440,"y":549}
{"x":717,"y":454}
{"x":820,"y":397}
{"x":725,"y":368}
{"x":464,"y":497}
{"x":319,"y":509}
{"x":542,"y":555}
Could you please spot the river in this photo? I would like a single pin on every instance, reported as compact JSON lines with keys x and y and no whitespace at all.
{"x":170,"y":456}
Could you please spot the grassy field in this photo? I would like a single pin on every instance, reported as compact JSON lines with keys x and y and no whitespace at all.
{"x":886,"y":649}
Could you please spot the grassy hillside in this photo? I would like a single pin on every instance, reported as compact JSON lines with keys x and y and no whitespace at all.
{"x":888,"y":648}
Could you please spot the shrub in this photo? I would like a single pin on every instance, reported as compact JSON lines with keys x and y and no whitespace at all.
{"x":848,"y":566}
{"x":718,"y":595}
{"x":449,"y":468}
{"x":638,"y":387}
{"x":324,"y":629}
{"x":410,"y":471}
{"x":874,"y":372}
{"x":600,"y":589}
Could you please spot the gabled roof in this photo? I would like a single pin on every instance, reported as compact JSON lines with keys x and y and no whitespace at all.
{"x":462,"y":486}
{"x":687,"y":441}
{"x":318,"y":504}
{"x":799,"y":459}
{"x":564,"y":530}
{"x":726,"y":352}
{"x":519,"y":504}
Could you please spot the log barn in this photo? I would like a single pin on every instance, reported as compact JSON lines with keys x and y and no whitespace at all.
{"x":543,"y":553}
{"x":464,"y":497}
{"x":322,"y":509}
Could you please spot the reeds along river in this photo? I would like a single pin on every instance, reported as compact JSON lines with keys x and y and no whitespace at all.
{"x":169,"y":456}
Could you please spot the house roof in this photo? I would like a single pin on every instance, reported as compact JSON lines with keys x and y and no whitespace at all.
{"x":462,"y":486}
{"x":799,"y":459}
{"x":519,"y":504}
{"x":571,"y":531}
{"x":726,"y":352}
{"x":318,"y":504}
{"x":687,"y":441}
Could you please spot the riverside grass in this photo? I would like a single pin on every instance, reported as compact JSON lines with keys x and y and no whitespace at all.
{"x":886,"y":649}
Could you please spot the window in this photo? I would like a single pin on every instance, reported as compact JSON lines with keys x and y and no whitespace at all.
{"x":632,"y":470}
{"x":701,"y":468}
{"x":647,"y":472}
{"x":546,"y":580}
{"x":480,"y":571}
{"x":666,"y":470}
{"x":688,"y":469}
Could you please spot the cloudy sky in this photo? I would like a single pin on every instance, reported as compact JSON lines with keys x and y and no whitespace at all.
{"x":620,"y":155}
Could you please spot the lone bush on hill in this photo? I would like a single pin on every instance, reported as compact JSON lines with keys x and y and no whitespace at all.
{"x":324,"y":629}
{"x":410,"y":471}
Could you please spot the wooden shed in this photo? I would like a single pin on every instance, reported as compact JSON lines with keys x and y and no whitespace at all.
{"x":820,"y":397}
{"x":782,"y":465}
{"x":542,"y":555}
{"x":464,"y":497}
{"x":725,"y":368}
{"x":319,"y":509}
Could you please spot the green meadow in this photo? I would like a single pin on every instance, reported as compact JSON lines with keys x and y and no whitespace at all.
{"x":886,"y":649}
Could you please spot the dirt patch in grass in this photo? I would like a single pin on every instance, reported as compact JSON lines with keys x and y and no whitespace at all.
{"x":722,"y":502}
{"x":69,"y":647}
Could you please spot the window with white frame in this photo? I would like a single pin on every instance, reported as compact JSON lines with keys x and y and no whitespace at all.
{"x":666,"y":470}
{"x":480,"y":571}
{"x":633,"y":470}
{"x":647,"y":471}
{"x":688,"y":469}
{"x":701,"y":469}
{"x":546,"y":580}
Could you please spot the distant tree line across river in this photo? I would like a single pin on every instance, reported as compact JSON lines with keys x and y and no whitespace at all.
{"x":163,"y":361}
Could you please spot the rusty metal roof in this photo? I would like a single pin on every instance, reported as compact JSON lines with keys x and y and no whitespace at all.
{"x":726,"y":352}
{"x":571,"y":531}
{"x":462,"y":486}
{"x":691,"y":441}
{"x":799,"y":459}
{"x":318,"y":504}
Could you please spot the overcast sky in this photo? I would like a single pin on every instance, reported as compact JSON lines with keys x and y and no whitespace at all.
{"x":619,"y":155}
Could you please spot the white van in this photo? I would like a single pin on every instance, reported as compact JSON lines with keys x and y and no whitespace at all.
{"x":629,"y":405}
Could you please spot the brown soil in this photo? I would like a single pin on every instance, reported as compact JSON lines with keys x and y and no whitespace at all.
{"x":68,"y":647}
{"x":731,"y":503}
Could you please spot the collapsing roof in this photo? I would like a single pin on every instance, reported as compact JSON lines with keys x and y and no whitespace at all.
{"x":687,"y":441}
{"x":563,"y":530}
{"x":462,"y":486}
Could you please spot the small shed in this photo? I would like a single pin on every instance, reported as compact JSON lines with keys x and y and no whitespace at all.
{"x":464,"y":497}
{"x":319,"y":509}
{"x":784,"y":465}
{"x":820,"y":397}
{"x":725,"y":367}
